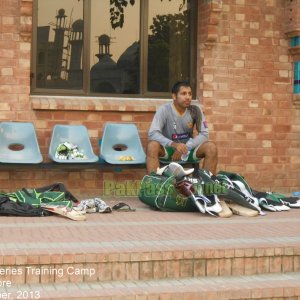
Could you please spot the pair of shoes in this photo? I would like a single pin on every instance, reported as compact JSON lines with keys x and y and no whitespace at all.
{"x":101,"y":206}
{"x":121,"y":206}
{"x":87,"y":206}
{"x":66,"y":211}
{"x":93,"y":206}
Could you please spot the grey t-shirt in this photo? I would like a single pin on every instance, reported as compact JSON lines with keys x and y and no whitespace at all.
{"x":168,"y":126}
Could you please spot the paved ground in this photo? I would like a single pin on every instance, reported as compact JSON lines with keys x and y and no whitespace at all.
{"x":146,"y":230}
{"x":150,"y":254}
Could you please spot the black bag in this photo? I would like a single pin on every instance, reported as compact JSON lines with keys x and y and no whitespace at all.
{"x":12,"y":208}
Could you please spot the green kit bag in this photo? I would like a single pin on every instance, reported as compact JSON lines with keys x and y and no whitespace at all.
{"x":159,"y":192}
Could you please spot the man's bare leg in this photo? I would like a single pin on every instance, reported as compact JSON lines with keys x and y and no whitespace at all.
{"x":154,"y":151}
{"x":209,"y":152}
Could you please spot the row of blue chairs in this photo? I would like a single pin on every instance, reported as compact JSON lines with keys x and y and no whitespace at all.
{"x":19,"y":144}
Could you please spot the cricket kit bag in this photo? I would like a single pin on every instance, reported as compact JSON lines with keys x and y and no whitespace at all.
{"x":170,"y":189}
{"x":159,"y":192}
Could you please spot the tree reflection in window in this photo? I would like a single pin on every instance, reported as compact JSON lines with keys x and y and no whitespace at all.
{"x":118,"y":63}
{"x":168,"y":51}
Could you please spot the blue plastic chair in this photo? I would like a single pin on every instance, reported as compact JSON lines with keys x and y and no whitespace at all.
{"x":120,"y":140}
{"x":75,"y":134}
{"x":18,"y":143}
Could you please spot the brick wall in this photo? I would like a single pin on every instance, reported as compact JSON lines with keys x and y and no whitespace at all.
{"x":244,"y":83}
{"x":292,"y":15}
{"x":247,"y":93}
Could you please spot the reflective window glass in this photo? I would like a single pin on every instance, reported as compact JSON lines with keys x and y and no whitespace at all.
{"x":113,"y":47}
{"x":168,"y":44}
{"x":115,"y":52}
{"x":59,"y":46}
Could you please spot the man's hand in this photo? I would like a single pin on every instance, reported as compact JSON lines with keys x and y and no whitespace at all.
{"x":176,"y":156}
{"x":180,"y":149}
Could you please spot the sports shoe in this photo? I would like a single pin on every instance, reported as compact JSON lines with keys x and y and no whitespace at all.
{"x":87,"y":205}
{"x":101,"y":206}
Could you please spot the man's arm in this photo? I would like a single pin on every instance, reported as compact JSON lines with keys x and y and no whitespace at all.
{"x":157,"y":125}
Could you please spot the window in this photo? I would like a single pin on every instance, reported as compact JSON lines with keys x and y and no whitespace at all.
{"x":112,"y":47}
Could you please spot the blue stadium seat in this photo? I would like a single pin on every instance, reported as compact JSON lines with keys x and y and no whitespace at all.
{"x":121,"y":141}
{"x":18,"y":143}
{"x":77,"y":135}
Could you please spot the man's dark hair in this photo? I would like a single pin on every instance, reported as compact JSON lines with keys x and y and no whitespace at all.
{"x":176,"y":87}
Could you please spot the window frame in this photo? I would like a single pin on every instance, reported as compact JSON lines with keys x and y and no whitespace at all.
{"x":85,"y":91}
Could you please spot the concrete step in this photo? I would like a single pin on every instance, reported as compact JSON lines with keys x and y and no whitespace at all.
{"x":266,"y":286}
{"x":146,"y":245}
{"x":101,"y":267}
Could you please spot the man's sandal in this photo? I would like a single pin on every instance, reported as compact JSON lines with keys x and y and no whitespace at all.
{"x":121,"y":206}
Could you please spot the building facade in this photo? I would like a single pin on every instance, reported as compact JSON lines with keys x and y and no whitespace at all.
{"x":247,"y":80}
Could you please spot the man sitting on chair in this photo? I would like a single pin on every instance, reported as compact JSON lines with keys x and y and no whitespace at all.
{"x":173,"y":125}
